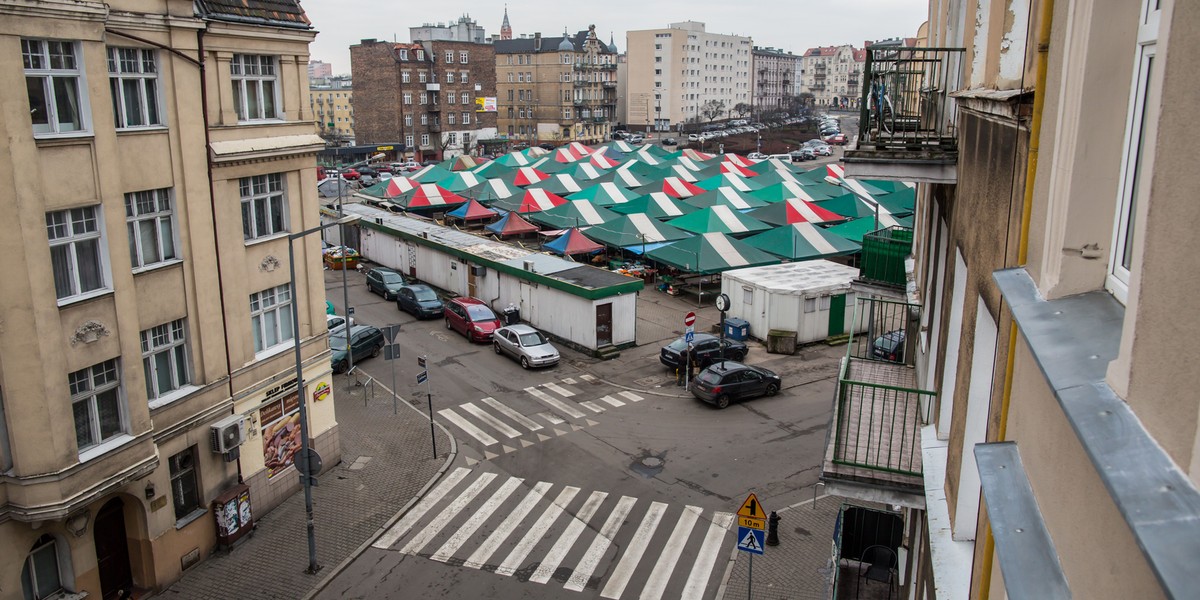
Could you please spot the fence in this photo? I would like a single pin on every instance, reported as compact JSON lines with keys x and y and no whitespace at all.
{"x":905,"y":98}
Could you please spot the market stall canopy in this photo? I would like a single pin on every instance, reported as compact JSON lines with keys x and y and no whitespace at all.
{"x":890,"y":187}
{"x":530,"y":201}
{"x":623,"y":178}
{"x":559,"y":183}
{"x":390,"y":188}
{"x":802,"y":241}
{"x":491,"y":190}
{"x":656,"y":205}
{"x":492,"y":169}
{"x":460,"y":163}
{"x":726,"y":196}
{"x":430,"y":174}
{"x":574,"y":213}
{"x":601,"y":160}
{"x":550,"y":166}
{"x":604,"y":194}
{"x":899,"y":204}
{"x":773,"y":164}
{"x":586,"y":171}
{"x":511,"y":224}
{"x":472,"y":211}
{"x":622,"y":146}
{"x":332,"y":187}
{"x":732,"y":167}
{"x":719,"y":218}
{"x":514,"y":159}
{"x":655,"y":151}
{"x":460,"y":181}
{"x":770,"y":177}
{"x":710,"y":253}
{"x":794,"y":210}
{"x":729,"y":180}
{"x":564,"y":154}
{"x":850,"y":206}
{"x":783,"y":190}
{"x":740,"y":161}
{"x":571,"y":243}
{"x":689,"y":164}
{"x":671,"y":186}
{"x":426,"y":196}
{"x":524,"y":176}
{"x":856,"y":229}
{"x":694,"y":154}
{"x":634,"y":229}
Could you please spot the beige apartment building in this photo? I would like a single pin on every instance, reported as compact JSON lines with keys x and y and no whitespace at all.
{"x":331,"y":101}
{"x":146,"y":301}
{"x":833,"y":75}
{"x":556,"y":89}
{"x":675,"y":72}
{"x":1044,"y":444}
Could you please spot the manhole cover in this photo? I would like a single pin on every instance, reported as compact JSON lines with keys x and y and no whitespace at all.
{"x":649,"y":381}
{"x":652,"y":462}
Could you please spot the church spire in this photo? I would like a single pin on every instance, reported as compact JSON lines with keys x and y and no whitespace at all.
{"x":505,"y":28}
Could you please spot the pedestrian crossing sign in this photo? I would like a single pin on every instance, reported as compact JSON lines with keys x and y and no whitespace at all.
{"x":750,"y":540}
{"x":751,"y":508}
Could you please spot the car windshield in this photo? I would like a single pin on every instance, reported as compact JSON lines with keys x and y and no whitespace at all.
{"x":709,"y":377}
{"x":678,"y":345}
{"x":478,"y":312}
{"x":424,"y":294}
{"x":338,"y":342}
{"x":391,"y":277}
{"x":533,"y":338}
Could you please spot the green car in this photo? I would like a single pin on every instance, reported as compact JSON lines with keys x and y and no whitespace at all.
{"x":365,"y":341}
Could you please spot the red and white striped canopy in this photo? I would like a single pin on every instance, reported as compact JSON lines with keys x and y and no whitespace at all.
{"x":678,"y":188}
{"x":527,"y":175}
{"x":399,"y":185}
{"x":694,"y":154}
{"x":538,"y":200}
{"x":579,"y":149}
{"x":429,"y":194}
{"x":728,"y":166}
{"x":738,"y":160}
{"x":600,"y":160}
{"x":799,"y":211}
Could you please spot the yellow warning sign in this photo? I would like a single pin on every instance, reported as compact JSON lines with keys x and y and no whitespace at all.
{"x":752,"y":509}
{"x":751,"y":523}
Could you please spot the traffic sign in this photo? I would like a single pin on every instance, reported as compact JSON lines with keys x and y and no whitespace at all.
{"x":422,"y":376}
{"x":421,"y":361}
{"x":751,"y":508}
{"x":689,"y":319}
{"x":389,"y":333}
{"x":689,"y":336}
{"x":751,"y":540}
{"x":751,"y":523}
{"x":391,"y":351}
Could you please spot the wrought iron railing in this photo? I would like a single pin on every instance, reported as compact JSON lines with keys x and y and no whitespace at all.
{"x":905,"y":98}
{"x":883,"y":256}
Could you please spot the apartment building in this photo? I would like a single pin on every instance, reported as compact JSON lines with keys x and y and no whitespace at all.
{"x":332,"y":102}
{"x":423,"y":93}
{"x":1048,"y":423}
{"x":675,"y":72}
{"x":556,"y":89}
{"x":773,"y":81}
{"x":833,"y":75}
{"x":319,"y":70}
{"x":155,"y":164}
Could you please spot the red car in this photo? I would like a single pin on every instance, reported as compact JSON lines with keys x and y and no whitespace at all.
{"x":472,"y":318}
{"x":837,"y":138}
{"x":350,"y":175}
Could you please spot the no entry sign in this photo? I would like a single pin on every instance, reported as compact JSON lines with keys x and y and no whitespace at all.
{"x":689,"y":319}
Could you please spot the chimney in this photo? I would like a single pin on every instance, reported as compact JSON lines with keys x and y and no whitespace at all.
{"x":537,"y":42}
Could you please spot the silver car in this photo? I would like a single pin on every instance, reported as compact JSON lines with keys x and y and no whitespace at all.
{"x":526,"y":344}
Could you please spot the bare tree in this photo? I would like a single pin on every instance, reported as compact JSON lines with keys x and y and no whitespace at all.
{"x":712,"y":110}
{"x":742,"y":109}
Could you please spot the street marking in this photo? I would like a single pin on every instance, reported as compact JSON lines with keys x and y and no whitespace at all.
{"x":558,"y":432}
{"x":525,"y":443}
{"x":551,"y":418}
{"x":397,"y":531}
{"x":558,"y":389}
{"x":543,"y":438}
{"x":492,"y":543}
{"x":507,"y":449}
{"x":612,"y":401}
{"x":447,"y":515}
{"x":592,"y":406}
{"x":587,"y":377}
{"x":486,"y":417}
{"x":535,"y":533}
{"x":591,"y":559}
{"x":482,"y":514}
{"x":634,"y":551}
{"x":590,"y":422}
{"x":465,"y":425}
{"x":554,"y":402}
{"x":504,"y":409}
{"x":657,"y":582}
{"x":488,"y":455}
{"x":569,"y":381}
{"x":702,"y":568}
{"x":558,"y":552}
{"x":631,"y":396}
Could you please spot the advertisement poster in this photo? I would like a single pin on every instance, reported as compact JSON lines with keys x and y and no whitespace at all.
{"x":280,"y":422}
{"x":486,"y":104}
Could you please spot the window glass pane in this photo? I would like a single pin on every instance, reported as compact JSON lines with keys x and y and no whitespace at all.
{"x":83,"y":424}
{"x":247,"y":220}
{"x":66,"y":103}
{"x":168,"y":239}
{"x":254,"y":106}
{"x":133,"y":253}
{"x":87,"y":254}
{"x":181,"y":369}
{"x":152,"y":101}
{"x":149,"y":242}
{"x":45,"y":570}
{"x":60,"y":259}
{"x":260,"y":216}
{"x":270,"y":331}
{"x":147,"y":367}
{"x":256,"y":328}
{"x":277,"y":223}
{"x":133,"y":102}
{"x":237,"y":100}
{"x":108,"y":405}
{"x":115,"y":92}
{"x":285,"y":322}
{"x":39,"y":110}
{"x":162,"y":371}
{"x":268,"y":100}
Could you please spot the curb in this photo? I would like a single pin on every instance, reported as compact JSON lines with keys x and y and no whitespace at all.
{"x":733,"y":556}
{"x":450,"y":458}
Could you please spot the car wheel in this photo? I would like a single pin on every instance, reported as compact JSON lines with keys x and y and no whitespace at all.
{"x":376,"y":351}
{"x":723,"y":401}
{"x":772,"y":389}
{"x":739,"y":357}
{"x":340,"y":367}
{"x":524,"y":362}
{"x":496,"y":345}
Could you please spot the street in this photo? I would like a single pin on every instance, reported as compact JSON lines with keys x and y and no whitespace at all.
{"x":596,"y":478}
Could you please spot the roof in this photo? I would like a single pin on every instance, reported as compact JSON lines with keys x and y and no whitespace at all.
{"x":796,"y":278}
{"x":549,"y":44}
{"x":280,"y":13}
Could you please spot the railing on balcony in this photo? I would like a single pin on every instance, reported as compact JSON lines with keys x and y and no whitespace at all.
{"x":610,"y":84}
{"x":818,"y":87}
{"x":581,"y":82}
{"x":883,"y":255}
{"x":819,"y":75}
{"x":905,"y":103}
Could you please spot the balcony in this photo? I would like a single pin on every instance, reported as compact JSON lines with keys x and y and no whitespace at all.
{"x":817,"y":87}
{"x":610,"y":84}
{"x":874,"y":448}
{"x":433,"y":106}
{"x":883,"y":256}
{"x":435,"y":126}
{"x":819,"y":75}
{"x":582,"y":83}
{"x":907,"y":120}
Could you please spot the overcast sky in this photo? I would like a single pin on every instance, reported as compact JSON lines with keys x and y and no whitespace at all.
{"x":793,"y":25}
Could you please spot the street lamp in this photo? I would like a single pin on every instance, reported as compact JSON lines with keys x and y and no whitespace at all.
{"x":305,"y":477}
{"x":342,"y":239}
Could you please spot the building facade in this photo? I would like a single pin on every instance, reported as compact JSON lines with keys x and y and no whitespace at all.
{"x":684,"y":74}
{"x":773,"y":81}
{"x":319,"y":70}
{"x":556,"y":90}
{"x":465,"y":29}
{"x":833,"y":75}
{"x":332,"y":103}
{"x":423,"y":93}
{"x":165,"y":309}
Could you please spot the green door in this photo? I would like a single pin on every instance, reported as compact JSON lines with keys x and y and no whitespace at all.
{"x":837,"y":315}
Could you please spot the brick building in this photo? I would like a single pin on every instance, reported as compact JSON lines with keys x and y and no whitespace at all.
{"x":423,"y":94}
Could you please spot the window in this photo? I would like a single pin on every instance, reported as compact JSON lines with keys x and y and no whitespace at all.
{"x":420,"y":55}
{"x":529,"y":76}
{"x":449,"y":56}
{"x":75,"y":251}
{"x":658,"y":46}
{"x":466,"y":139}
{"x":271,"y":317}
{"x":424,"y":139}
{"x":254,"y":83}
{"x":421,"y":76}
{"x":657,"y":59}
{"x":520,"y":77}
{"x":96,"y":403}
{"x":52,"y":78}
{"x":466,"y":118}
{"x":462,"y":57}
{"x":264,"y":206}
{"x":521,"y":95}
{"x":452,"y":137}
{"x":408,"y":141}
{"x":451,"y":98}
{"x":449,"y":76}
{"x":407,"y":97}
{"x":408,"y":120}
{"x":462,"y":76}
{"x":424,"y":98}
{"x":405,"y":76}
{"x":424,"y":118}
{"x":184,"y":489}
{"x":133,"y":80}
{"x":465,"y":98}
{"x":164,"y":358}
{"x":149,"y":218}
{"x":566,"y":113}
{"x":450,"y":118}
{"x":40,"y":575}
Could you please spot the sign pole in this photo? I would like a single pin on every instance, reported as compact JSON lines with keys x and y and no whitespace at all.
{"x":424,"y":375}
{"x":750,"y":579}
{"x":395,"y":410}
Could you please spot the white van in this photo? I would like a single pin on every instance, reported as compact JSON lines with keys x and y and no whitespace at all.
{"x":783,"y":157}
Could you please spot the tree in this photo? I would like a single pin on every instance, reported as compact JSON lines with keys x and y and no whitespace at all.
{"x":742,"y":109}
{"x":713,"y":109}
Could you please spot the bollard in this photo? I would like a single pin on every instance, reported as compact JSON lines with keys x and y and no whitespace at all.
{"x":773,"y":529}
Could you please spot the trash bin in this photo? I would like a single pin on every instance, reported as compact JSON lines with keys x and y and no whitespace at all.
{"x":511,"y":315}
{"x":737,"y":329}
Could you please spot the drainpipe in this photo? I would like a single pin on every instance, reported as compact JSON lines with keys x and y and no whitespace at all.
{"x":1045,"y":19}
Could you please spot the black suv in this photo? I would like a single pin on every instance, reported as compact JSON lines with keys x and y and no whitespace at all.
{"x":707,"y":348}
{"x":385,"y":282}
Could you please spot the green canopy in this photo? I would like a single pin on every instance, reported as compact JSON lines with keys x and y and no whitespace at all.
{"x":430,"y":174}
{"x":729,"y":180}
{"x":461,"y":180}
{"x":719,"y":218}
{"x":491,"y":190}
{"x":631,"y":230}
{"x":604,"y":194}
{"x":656,"y":205}
{"x":802,"y":241}
{"x":763,"y":167}
{"x":710,"y":253}
{"x":786,"y":189}
{"x":558,"y":183}
{"x":856,"y":229}
{"x":728,"y":197}
{"x":576,"y":213}
{"x":886,"y":186}
{"x":773,"y":176}
{"x":586,"y":171}
{"x":492,"y":169}
{"x":624,"y":178}
{"x":900,"y":203}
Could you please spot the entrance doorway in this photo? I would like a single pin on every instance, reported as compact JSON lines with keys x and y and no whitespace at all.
{"x":837,"y":315}
{"x":603,"y":325}
{"x":112,"y":551}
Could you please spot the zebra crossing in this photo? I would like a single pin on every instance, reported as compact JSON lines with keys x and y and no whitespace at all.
{"x":555,"y":534}
{"x":501,"y":428}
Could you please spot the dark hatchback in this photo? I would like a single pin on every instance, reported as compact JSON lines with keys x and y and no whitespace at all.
{"x":727,"y":381}
{"x":419,"y":301}
{"x":708,"y":349}
{"x":365,"y":341}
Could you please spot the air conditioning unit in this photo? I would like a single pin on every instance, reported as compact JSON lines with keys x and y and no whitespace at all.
{"x":478,"y":270}
{"x":228,"y":433}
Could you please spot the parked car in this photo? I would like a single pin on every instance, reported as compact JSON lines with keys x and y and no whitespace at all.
{"x":707,"y":349}
{"x":419,"y":301}
{"x":384,"y":281}
{"x":756,"y":156}
{"x":350,"y":174}
{"x":527,"y":345}
{"x":336,"y":324}
{"x":823,"y":150}
{"x":547,"y":146}
{"x":693,"y":137}
{"x":472,"y":318}
{"x":889,"y":346}
{"x":670,"y":142}
{"x":637,"y":138}
{"x":727,"y":381}
{"x":802,"y":154}
{"x":837,"y":139}
{"x":365,"y":341}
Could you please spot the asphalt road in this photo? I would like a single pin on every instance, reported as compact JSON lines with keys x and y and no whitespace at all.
{"x":585,"y":479}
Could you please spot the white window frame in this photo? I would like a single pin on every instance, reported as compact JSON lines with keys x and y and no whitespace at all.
{"x":134,"y":71}
{"x":463,"y":76}
{"x":1135,"y":172}
{"x":424,"y":139}
{"x":462,"y":57}
{"x":452,"y":139}
{"x":451,"y":98}
{"x":47,"y":548}
{"x":261,"y":193}
{"x":408,"y":141}
{"x":407,"y":98}
{"x":420,"y":55}
{"x":182,"y":468}
{"x":408,"y":120}
{"x":465,"y":98}
{"x":404,"y":54}
{"x":85,"y":386}
{"x":450,"y":118}
{"x":422,"y":76}
{"x":39,"y":61}
{"x":271,"y":308}
{"x":156,"y":208}
{"x":258,"y":73}
{"x":73,"y":228}
{"x":449,"y":76}
{"x":424,"y":118}
{"x":449,"y":56}
{"x":167,"y":341}
{"x":466,"y":119}
{"x":405,"y":76}
{"x":423,"y":98}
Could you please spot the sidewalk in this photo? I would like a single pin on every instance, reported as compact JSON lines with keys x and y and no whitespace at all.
{"x":386,"y":463}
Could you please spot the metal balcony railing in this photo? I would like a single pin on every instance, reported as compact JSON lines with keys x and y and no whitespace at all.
{"x":610,"y":84}
{"x":819,"y":75}
{"x":883,"y":256}
{"x":905,"y":99}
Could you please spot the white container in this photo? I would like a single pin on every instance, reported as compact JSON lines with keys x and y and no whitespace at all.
{"x":797,"y":296}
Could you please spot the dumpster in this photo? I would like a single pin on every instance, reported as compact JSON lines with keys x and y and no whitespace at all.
{"x":511,"y":315}
{"x":737,"y":329}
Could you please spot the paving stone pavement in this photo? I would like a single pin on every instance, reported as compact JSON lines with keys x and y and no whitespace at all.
{"x":394,"y":462}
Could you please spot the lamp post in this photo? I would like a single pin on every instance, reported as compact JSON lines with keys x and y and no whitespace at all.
{"x":342,"y":239}
{"x":306,"y":477}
